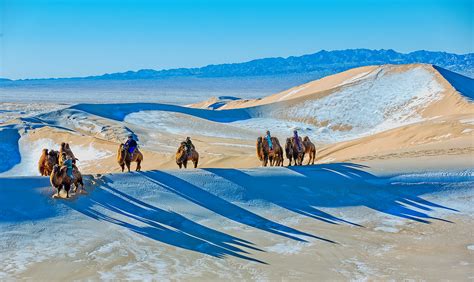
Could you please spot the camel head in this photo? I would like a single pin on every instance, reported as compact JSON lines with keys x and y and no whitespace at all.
{"x":56,"y":169}
{"x":53,"y":157}
{"x":182,"y":147}
{"x":306,"y":139}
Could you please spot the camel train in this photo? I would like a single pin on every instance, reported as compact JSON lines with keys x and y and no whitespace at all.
{"x":61,"y":168}
{"x":269,"y":150}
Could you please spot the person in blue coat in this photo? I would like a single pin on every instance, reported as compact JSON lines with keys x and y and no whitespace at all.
{"x":131,"y":144}
{"x":269,"y":140}
{"x":297,"y":140}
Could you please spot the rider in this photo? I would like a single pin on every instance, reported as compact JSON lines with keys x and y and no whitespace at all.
{"x":297,"y":139}
{"x":131,"y":144}
{"x":68,"y":163}
{"x":189,"y":144}
{"x":269,"y":140}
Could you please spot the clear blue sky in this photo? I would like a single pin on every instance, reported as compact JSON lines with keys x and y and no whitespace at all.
{"x":52,"y":38}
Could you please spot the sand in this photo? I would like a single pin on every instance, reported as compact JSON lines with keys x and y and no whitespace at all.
{"x":432,"y":131}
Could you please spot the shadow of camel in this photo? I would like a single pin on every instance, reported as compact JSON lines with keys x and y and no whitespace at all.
{"x":111,"y":205}
{"x":223,"y":207}
{"x":303,"y":189}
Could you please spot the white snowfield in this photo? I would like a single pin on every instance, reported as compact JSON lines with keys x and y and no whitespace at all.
{"x":337,"y":221}
{"x":224,"y":223}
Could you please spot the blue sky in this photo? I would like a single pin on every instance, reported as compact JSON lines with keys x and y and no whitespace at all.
{"x":85,"y":37}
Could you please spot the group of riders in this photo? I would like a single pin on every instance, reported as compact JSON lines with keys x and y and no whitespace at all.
{"x":64,"y":161}
{"x":268,"y":137}
{"x":131,"y":144}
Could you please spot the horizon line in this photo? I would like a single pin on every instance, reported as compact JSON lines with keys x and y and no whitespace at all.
{"x":225,"y":63}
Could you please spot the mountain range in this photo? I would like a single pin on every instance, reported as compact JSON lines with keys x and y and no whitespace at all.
{"x":318,"y":64}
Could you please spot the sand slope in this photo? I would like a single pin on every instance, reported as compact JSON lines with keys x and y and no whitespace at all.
{"x":332,"y":221}
{"x":369,"y":113}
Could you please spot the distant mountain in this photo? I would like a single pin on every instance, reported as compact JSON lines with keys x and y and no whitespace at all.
{"x":323,"y":62}
{"x":315,"y":65}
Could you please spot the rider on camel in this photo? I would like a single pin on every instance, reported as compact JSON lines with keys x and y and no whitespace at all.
{"x":269,"y":140}
{"x":297,"y":140}
{"x":189,"y":144}
{"x":131,"y":144}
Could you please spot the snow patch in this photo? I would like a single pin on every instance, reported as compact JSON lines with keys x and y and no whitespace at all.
{"x":30,"y":152}
{"x":387,"y":229}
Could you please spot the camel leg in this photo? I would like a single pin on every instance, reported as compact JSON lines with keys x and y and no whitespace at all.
{"x":67,"y":188}
{"x":185,"y":164}
{"x":179,"y":165}
{"x":122,"y":166}
{"x":139,"y":167}
{"x":128,"y":166}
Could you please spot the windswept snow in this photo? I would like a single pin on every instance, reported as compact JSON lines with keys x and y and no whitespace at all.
{"x":373,"y":105}
{"x":219,"y":222}
{"x":31,"y":151}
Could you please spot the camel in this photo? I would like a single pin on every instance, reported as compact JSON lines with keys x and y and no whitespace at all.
{"x":183,"y":156}
{"x":310,"y":149}
{"x":59,"y":179}
{"x":265,"y":155}
{"x":64,"y":148}
{"x":47,"y":161}
{"x":124,"y":158}
{"x":298,"y":153}
{"x":289,"y":151}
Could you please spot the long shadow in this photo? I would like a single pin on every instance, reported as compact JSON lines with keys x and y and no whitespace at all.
{"x":9,"y":147}
{"x":120,"y":111}
{"x":305,"y":189}
{"x":113,"y":206}
{"x":222,"y":207}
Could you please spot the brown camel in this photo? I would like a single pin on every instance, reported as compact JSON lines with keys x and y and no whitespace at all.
{"x":64,"y":148}
{"x":298,"y":152}
{"x":265,"y":155}
{"x":47,"y":161}
{"x":183,"y":156}
{"x":59,"y":180}
{"x":125,"y":158}
{"x":289,"y":151}
{"x":310,"y":149}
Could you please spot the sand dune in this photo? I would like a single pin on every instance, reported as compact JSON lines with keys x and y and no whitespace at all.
{"x":331,"y":221}
{"x":390,"y":197}
{"x":368,"y":113}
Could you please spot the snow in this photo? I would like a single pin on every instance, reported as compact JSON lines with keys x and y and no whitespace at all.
{"x":161,"y":222}
{"x":386,"y":229}
{"x":467,"y":121}
{"x":293,"y":92}
{"x":356,"y":77}
{"x":30,"y":152}
{"x":373,"y":104}
{"x":178,"y":123}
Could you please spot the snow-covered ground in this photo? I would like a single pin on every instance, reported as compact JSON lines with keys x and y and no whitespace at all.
{"x":331,"y":221}
{"x":220,"y":223}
